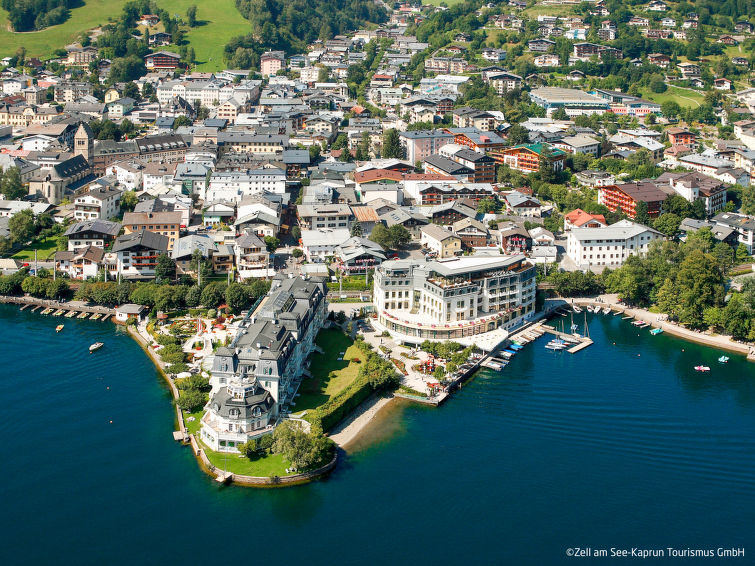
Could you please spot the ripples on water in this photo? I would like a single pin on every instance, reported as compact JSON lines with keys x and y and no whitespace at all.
{"x":601,"y":448}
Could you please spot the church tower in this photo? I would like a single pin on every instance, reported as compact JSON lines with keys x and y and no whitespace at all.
{"x":83,"y":142}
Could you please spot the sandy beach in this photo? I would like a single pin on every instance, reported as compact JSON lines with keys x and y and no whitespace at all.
{"x":349,"y":430}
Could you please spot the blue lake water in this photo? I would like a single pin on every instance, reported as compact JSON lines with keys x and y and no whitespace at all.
{"x":621,"y":445}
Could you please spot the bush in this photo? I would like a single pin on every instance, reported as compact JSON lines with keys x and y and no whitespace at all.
{"x":191,"y":400}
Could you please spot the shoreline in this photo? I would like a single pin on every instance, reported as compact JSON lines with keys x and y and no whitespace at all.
{"x":655,"y":320}
{"x":350,"y":429}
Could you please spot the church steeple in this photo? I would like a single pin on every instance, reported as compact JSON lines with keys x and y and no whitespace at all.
{"x":83,"y":142}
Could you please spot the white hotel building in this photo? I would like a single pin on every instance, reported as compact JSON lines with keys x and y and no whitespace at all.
{"x":461,"y":298}
{"x":609,"y":246}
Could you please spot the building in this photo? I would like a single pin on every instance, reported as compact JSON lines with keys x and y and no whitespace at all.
{"x":84,"y":263}
{"x":697,"y":186}
{"x":625,"y":197}
{"x":471,"y":232}
{"x":461,"y":298}
{"x":136,"y":254}
{"x":681,"y":137}
{"x":439,"y":241}
{"x":522,"y":204}
{"x":95,"y":233}
{"x":609,"y":246}
{"x":167,"y":224}
{"x":162,"y":60}
{"x":594,"y":178}
{"x":420,"y":144}
{"x":579,"y":144}
{"x":322,"y":216}
{"x":526,"y":157}
{"x":358,"y":255}
{"x":744,"y":226}
{"x":322,"y":243}
{"x":575,"y":102}
{"x":258,"y":375}
{"x":252,"y":257}
{"x":98,"y":202}
{"x":578,"y":218}
{"x":271,"y":62}
{"x":443,"y":166}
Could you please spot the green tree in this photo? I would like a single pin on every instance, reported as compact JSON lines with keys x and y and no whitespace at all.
{"x":191,"y":16}
{"x":297,"y":253}
{"x":272,"y":243}
{"x":11,"y":186}
{"x":128,"y":200}
{"x":391,"y":144}
{"x":381,"y":236}
{"x":301,"y":449}
{"x":213,"y":295}
{"x":399,"y":236}
{"x":667,"y":223}
{"x":486,"y":205}
{"x":641,"y":213}
{"x":236,"y":297}
{"x":191,"y":400}
{"x":165,"y":269}
{"x":356,"y":229}
{"x":21,"y":226}
{"x":560,"y":114}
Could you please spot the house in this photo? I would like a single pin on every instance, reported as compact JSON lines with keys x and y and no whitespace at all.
{"x":316,"y":217}
{"x":697,"y":186}
{"x":97,"y":202}
{"x":473,"y":233}
{"x":688,"y":70}
{"x":595,"y":178}
{"x":609,"y":246}
{"x":166,"y":224}
{"x":656,"y":6}
{"x":251,"y":257}
{"x":449,"y":212}
{"x":136,"y":254}
{"x":514,"y":239}
{"x":659,"y":59}
{"x":722,"y":84}
{"x":681,"y":137}
{"x":439,"y":241}
{"x":523,"y":205}
{"x":546,"y":61}
{"x":162,"y":60}
{"x":120,"y":107}
{"x":124,"y":313}
{"x":184,"y":248}
{"x":444,"y":166}
{"x":320,"y":244}
{"x":94,"y":233}
{"x":578,"y":218}
{"x":358,"y":255}
{"x":540,"y":45}
{"x":744,"y":226}
{"x":84,"y":263}
{"x":728,"y":40}
{"x":579,"y":144}
{"x":542,"y":237}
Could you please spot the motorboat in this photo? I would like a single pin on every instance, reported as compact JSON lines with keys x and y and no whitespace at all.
{"x":702,"y":368}
{"x":656,"y":331}
{"x":96,"y":346}
{"x":723,"y":359}
{"x":58,"y":328}
{"x":607,"y":310}
{"x":556,"y":344}
{"x":577,"y":309}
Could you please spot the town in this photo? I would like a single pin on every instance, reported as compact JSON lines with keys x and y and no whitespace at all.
{"x":405,"y":193}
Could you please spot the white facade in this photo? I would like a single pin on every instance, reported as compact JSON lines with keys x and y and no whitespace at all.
{"x":91,"y":206}
{"x":609,"y":246}
{"x":232,"y":186}
{"x":452,"y":299}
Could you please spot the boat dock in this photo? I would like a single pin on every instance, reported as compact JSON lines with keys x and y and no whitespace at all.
{"x":579,"y":342}
{"x":73,"y":309}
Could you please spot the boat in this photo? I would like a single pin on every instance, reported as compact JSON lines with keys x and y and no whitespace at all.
{"x":515,"y":347}
{"x":723,"y":359}
{"x":96,"y":346}
{"x":702,"y":368}
{"x":58,"y":328}
{"x":556,"y":344}
{"x":577,"y":309}
{"x":656,"y":331}
{"x":607,"y":310}
{"x":510,"y":352}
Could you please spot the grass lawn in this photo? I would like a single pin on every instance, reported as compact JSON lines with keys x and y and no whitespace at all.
{"x":263,"y":466}
{"x":42,"y":43}
{"x":46,"y":248}
{"x":192,"y":427}
{"x":219,"y":22}
{"x":683,"y":97}
{"x":321,"y":387}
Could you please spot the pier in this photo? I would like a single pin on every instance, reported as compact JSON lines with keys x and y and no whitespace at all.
{"x":73,"y":309}
{"x":580,"y":342}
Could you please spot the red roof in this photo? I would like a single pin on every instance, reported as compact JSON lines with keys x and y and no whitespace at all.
{"x":377,"y":175}
{"x":578,"y":217}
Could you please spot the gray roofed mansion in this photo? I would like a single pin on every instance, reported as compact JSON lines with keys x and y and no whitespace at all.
{"x":255,"y":379}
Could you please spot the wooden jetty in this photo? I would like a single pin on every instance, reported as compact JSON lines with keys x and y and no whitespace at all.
{"x":104,"y":318}
{"x":578,"y":342}
{"x":83,"y":315}
{"x":58,"y":312}
{"x":26,"y":306}
{"x":35,"y":308}
{"x":223,"y":477}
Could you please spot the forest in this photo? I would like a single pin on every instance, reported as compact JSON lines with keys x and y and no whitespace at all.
{"x":30,"y":15}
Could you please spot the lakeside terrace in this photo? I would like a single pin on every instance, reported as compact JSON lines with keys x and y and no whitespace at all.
{"x":484,"y":332}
